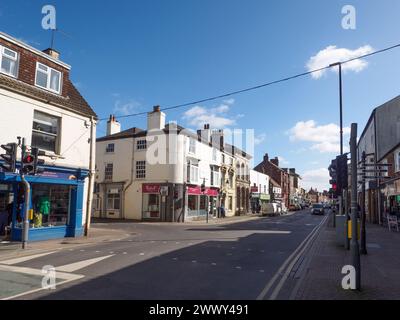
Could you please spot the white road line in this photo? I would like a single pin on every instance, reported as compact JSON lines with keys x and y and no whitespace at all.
{"x":141,"y":254}
{"x":81,"y":264}
{"x":26,"y":258}
{"x":38,"y":272}
{"x":264,"y":292}
{"x":290,"y":267}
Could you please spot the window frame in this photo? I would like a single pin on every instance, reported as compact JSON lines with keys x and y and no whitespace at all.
{"x":107,"y":176}
{"x":141,"y":145}
{"x":16,"y":59}
{"x":192,"y":146}
{"x":108,"y":150}
{"x":141,"y":169}
{"x":57,"y":136}
{"x":48,"y":73}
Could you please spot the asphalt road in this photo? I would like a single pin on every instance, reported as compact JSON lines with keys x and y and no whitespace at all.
{"x":241,"y":261}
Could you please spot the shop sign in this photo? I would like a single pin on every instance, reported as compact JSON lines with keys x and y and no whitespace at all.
{"x":197,"y":191}
{"x":265,"y":197}
{"x":254,"y":189}
{"x":113,"y":191}
{"x":151,"y":188}
{"x":58,"y":175}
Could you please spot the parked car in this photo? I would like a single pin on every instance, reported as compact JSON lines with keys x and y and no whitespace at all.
{"x":317,"y":209}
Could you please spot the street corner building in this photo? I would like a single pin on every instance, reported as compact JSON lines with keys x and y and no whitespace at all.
{"x":380,"y":140}
{"x":168,"y":173}
{"x":40,"y":103}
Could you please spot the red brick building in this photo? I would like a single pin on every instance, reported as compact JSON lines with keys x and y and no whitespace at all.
{"x":271,"y":168}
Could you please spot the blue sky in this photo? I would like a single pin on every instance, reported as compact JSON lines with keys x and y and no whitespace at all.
{"x":127,"y":56}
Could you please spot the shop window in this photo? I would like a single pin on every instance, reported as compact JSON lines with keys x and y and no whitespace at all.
{"x":45,"y":131}
{"x":192,"y":204}
{"x":108,"y":171}
{"x":113,"y":201}
{"x":50,"y":204}
{"x":110,"y":148}
{"x":151,"y":205}
{"x":140,"y":169}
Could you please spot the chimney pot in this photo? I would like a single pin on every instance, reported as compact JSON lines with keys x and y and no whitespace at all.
{"x":156,"y":109}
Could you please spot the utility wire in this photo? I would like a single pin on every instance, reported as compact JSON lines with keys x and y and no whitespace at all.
{"x":261,"y":85}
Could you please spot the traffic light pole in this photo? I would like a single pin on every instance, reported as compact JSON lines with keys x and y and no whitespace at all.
{"x":27,"y":188}
{"x":354,"y":247}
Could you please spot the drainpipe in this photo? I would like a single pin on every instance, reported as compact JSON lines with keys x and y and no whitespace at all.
{"x":92,"y":172}
{"x":132,"y":175}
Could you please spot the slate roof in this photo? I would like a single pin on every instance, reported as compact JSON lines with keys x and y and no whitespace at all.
{"x":72,"y":101}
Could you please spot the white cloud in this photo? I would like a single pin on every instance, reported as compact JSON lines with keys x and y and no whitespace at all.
{"x":332,"y":54}
{"x":125,"y":108}
{"x":325,"y":138}
{"x":216,"y":117}
{"x":259,"y":139}
{"x":283,"y":161}
{"x":318,"y":178}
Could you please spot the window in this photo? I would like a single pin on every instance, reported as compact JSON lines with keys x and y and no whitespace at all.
{"x":108,"y":171}
{"x":8,"y":61}
{"x":230,"y":202}
{"x":214,"y":178}
{"x":151,"y":206}
{"x":110,"y":148}
{"x":141,"y":144}
{"x":265,"y":189}
{"x":397,"y":160}
{"x":45,"y":131}
{"x":192,"y":146}
{"x":214,"y":154}
{"x":193,"y":173}
{"x":140,"y":169}
{"x":113,"y":201}
{"x":51,"y":205}
{"x":48,"y":78}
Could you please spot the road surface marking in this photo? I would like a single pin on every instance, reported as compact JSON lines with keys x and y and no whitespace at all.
{"x":141,"y":254}
{"x":125,"y":253}
{"x":27,"y":258}
{"x":269,"y":285}
{"x":262,"y":271}
{"x":81,"y":264}
{"x":239,"y":268}
{"x":213,"y":264}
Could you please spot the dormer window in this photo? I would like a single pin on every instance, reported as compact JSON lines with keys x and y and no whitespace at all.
{"x":8,"y":61}
{"x":48,"y":78}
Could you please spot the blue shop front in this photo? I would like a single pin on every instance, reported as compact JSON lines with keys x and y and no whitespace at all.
{"x":56,"y":201}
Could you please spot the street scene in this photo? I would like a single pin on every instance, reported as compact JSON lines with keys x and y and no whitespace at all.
{"x":164,"y":154}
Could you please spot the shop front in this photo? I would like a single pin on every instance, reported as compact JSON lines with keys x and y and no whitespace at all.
{"x":259,"y":202}
{"x":56,"y":203}
{"x":200,"y":203}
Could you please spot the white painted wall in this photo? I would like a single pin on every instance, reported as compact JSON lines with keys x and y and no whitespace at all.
{"x":258,"y":179}
{"x":74,"y":139}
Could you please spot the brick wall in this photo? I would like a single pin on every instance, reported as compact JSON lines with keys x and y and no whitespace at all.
{"x":27,"y":66}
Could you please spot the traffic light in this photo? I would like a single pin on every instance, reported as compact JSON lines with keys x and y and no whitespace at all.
{"x":10,"y":158}
{"x":342,"y":173}
{"x":333,"y":172}
{"x":37,"y":162}
{"x":27,"y":164}
{"x":31,"y":164}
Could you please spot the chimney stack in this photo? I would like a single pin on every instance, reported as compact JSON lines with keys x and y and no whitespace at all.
{"x":275,"y":161}
{"x":156,"y":119}
{"x":52,"y":53}
{"x":113,"y":126}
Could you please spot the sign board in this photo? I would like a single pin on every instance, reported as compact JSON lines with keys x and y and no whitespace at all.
{"x":164,"y":191}
{"x":151,"y":188}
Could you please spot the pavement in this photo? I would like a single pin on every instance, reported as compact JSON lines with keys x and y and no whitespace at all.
{"x":321,"y":279}
{"x":243,"y":259}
